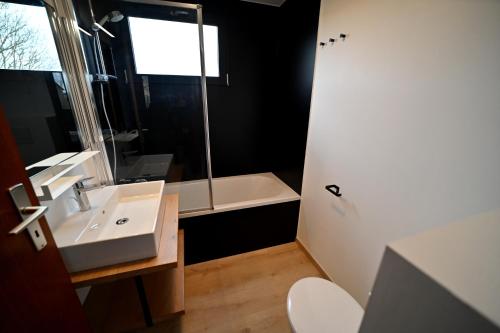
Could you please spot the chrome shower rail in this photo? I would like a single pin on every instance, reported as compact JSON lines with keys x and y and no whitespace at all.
{"x":165,"y":3}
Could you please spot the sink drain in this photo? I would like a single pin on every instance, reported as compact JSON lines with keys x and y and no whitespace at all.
{"x":122,"y":221}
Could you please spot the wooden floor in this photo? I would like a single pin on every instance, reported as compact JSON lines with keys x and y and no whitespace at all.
{"x":243,"y":293}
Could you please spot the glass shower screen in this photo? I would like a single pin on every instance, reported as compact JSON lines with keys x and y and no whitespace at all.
{"x":150,"y":87}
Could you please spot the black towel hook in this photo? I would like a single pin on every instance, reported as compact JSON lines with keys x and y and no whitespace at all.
{"x":334,"y":189}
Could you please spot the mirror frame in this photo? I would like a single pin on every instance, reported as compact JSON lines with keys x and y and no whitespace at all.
{"x":66,"y":34}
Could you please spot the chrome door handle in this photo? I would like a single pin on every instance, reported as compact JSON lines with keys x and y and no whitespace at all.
{"x":29,"y":216}
{"x":35,"y":212}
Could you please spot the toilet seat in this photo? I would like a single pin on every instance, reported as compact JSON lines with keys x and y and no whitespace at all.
{"x":317,"y":305}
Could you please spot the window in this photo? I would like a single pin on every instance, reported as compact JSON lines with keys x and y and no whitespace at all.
{"x":27,"y":41}
{"x":172,"y":48}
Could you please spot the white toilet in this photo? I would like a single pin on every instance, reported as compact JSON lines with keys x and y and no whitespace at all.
{"x":317,"y":305}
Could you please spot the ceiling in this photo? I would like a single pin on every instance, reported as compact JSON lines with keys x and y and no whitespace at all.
{"x":275,"y":3}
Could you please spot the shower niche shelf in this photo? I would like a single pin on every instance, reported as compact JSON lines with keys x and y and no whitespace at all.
{"x":52,"y":190}
{"x":54,"y":181}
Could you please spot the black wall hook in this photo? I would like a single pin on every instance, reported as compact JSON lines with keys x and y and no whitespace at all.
{"x":334,"y":189}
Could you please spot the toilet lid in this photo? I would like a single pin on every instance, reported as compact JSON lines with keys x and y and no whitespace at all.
{"x":318,"y":305}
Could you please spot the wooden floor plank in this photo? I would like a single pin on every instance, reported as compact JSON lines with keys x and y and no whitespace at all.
{"x":242,"y":293}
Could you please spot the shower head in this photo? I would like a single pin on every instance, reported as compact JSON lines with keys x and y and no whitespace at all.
{"x":114,"y":16}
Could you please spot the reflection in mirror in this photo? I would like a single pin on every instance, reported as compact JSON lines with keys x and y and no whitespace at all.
{"x":32,"y":90}
{"x":39,"y":167}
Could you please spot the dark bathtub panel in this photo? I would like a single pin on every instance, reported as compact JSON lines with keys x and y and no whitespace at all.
{"x":224,"y":234}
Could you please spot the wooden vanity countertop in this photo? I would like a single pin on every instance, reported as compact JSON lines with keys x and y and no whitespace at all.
{"x":167,"y":254}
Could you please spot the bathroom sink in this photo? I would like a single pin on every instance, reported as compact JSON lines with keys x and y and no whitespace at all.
{"x":121,"y":226}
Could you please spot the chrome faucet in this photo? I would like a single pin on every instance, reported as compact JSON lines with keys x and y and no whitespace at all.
{"x":81,"y":193}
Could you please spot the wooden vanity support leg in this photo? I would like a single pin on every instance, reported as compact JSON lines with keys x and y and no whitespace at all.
{"x":144,"y":301}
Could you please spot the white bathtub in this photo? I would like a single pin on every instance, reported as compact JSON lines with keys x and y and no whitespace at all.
{"x":231,"y":193}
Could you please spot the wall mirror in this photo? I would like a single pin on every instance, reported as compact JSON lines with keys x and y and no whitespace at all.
{"x":33,"y":92}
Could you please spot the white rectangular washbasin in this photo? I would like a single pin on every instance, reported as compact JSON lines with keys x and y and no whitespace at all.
{"x":121,"y":226}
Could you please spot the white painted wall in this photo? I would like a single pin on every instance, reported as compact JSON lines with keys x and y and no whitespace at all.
{"x":405,"y":118}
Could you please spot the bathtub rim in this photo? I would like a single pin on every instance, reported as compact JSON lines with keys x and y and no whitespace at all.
{"x":220,"y":208}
